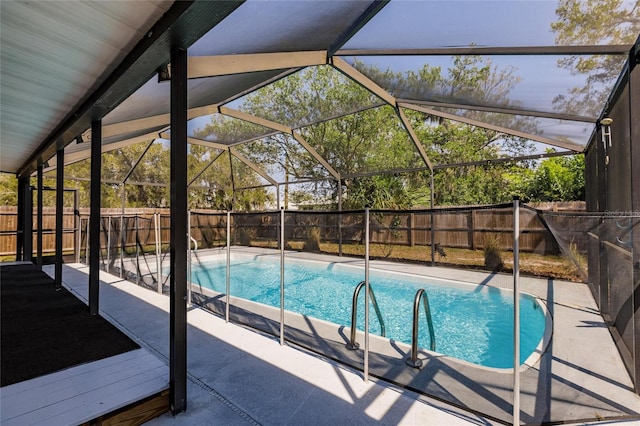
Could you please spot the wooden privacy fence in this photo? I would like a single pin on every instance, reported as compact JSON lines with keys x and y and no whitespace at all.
{"x":458,"y":228}
{"x":467,"y":229}
{"x":9,"y":225}
{"x":73,"y":227}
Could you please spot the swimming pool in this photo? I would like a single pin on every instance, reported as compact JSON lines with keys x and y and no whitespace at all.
{"x":472,"y":322}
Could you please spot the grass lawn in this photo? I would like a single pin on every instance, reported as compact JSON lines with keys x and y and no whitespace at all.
{"x":548,"y":266}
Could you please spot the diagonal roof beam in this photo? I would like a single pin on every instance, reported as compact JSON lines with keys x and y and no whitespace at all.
{"x":137,"y":162}
{"x":213,"y":66}
{"x":253,"y":166}
{"x":255,"y":120}
{"x":599,"y":49}
{"x":210,"y":144}
{"x":374,"y":88}
{"x":205,"y":168}
{"x":161,"y":120}
{"x":75,"y":153}
{"x":197,"y":141}
{"x":355,"y":75}
{"x":414,"y":138}
{"x":302,"y":141}
{"x":259,"y":85}
{"x":501,"y":110}
{"x":566,"y":145}
{"x":284,"y":129}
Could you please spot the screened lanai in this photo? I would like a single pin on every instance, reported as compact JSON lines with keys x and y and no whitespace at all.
{"x":534,"y":75}
{"x":236,"y":100}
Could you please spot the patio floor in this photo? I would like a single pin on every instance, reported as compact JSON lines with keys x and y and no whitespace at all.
{"x":238,"y":376}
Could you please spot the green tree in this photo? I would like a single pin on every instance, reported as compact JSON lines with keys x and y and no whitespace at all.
{"x":386,"y":192}
{"x":476,"y":80}
{"x":374,"y":139}
{"x":593,"y":22}
{"x":8,"y":190}
{"x":555,"y":179}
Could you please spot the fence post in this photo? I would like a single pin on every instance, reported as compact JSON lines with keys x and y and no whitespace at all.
{"x":412,"y":236}
{"x":472,"y":229}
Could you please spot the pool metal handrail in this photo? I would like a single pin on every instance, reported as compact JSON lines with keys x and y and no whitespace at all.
{"x":413,"y":360}
{"x":353,"y":345}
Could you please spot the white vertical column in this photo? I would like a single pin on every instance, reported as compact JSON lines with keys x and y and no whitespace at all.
{"x":516,"y":311}
{"x":228,"y":277}
{"x":190,"y":252}
{"x":158,"y":233}
{"x":281,"y":276}
{"x":366,"y":294}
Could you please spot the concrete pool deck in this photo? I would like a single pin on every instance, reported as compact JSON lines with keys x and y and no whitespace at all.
{"x":238,"y":376}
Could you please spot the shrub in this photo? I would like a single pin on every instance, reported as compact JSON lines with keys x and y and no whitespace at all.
{"x":312,"y":242}
{"x":492,"y":253}
{"x":244,"y":236}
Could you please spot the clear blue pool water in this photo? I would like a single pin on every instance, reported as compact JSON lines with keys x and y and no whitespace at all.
{"x":472,"y":323}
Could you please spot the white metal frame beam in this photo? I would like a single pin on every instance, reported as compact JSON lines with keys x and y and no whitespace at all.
{"x":284,"y":129}
{"x":501,"y":110}
{"x":214,"y":66}
{"x":253,"y":166}
{"x":414,"y":138}
{"x":619,"y":49}
{"x":370,"y":85}
{"x":355,"y":75}
{"x":552,"y":142}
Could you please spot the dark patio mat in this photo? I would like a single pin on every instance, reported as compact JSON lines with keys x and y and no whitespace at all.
{"x":44,"y":330}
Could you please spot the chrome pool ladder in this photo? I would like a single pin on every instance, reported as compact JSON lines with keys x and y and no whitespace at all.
{"x":413,"y":360}
{"x":353,"y":345}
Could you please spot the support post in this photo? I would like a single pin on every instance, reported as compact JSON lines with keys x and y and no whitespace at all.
{"x":28,"y":221}
{"x":94,"y":217}
{"x":77,"y":227}
{"x":516,"y":311}
{"x":339,"y":217}
{"x":123,"y":234}
{"x":233,"y":181}
{"x":39,"y":220}
{"x":282,"y":276}
{"x":228,"y":274}
{"x":366,"y":295}
{"x":137,"y":234}
{"x":179,"y":243}
{"x":189,"y":254}
{"x":108,"y":267}
{"x":23,"y":185}
{"x":59,"y":215}
{"x":433,"y":218}
{"x":157,"y":233}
